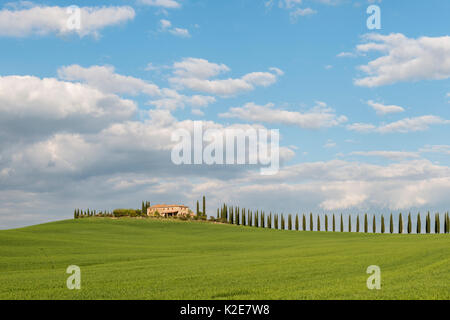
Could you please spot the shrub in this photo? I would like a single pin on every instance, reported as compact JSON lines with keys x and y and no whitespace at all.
{"x":125,"y":213}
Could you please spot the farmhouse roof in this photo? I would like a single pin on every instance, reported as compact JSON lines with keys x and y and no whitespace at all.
{"x":167,"y":206}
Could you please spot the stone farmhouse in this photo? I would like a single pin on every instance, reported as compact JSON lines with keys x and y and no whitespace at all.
{"x":169,"y":210}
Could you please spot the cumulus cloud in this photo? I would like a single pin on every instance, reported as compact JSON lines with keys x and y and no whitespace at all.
{"x":195,"y":74}
{"x":382,"y":109}
{"x":406,"y":125}
{"x":166,"y":26}
{"x":168,"y":4}
{"x":44,"y":20}
{"x":404,"y":59}
{"x":392,"y":155}
{"x":319,"y":116}
{"x":106,"y":79}
{"x":31,"y":105}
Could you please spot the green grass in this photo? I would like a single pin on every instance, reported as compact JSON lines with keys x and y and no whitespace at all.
{"x":157,"y":259}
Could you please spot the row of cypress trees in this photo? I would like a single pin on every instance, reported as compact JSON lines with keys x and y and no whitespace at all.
{"x":246,"y":217}
{"x":78,"y":213}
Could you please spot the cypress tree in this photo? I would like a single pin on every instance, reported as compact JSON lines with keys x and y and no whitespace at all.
{"x":409,"y":223}
{"x":418,"y":224}
{"x":446,"y":226}
{"x":318,"y":222}
{"x":366,"y":226}
{"x":276,"y":221}
{"x":243,"y":217}
{"x":383,"y":230}
{"x":289,"y":222}
{"x":391,"y":224}
{"x":334,"y":223}
{"x":311,"y":222}
{"x":326,"y":223}
{"x":257,"y":219}
{"x":250,"y":218}
{"x":282,"y":222}
{"x":304,"y":222}
{"x":144,"y":212}
{"x":342,"y":223}
{"x":198,"y":209}
{"x":218,"y":214}
{"x":237,"y":216}
{"x":269,"y":221}
{"x":427,"y":223}
{"x":374,"y":224}
{"x":75,"y":214}
{"x":357,"y":223}
{"x":400,"y":224}
{"x":297,"y":224}
{"x":204,"y":206}
{"x":437,"y":224}
{"x":349,"y":223}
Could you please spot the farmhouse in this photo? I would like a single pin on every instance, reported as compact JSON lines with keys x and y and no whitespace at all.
{"x":169,"y":210}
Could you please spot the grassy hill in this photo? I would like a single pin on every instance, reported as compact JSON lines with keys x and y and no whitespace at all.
{"x":157,"y":259}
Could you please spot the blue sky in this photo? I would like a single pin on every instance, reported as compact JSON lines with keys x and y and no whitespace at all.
{"x":57,"y":155}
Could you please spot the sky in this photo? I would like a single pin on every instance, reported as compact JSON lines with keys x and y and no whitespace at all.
{"x":87,"y":111}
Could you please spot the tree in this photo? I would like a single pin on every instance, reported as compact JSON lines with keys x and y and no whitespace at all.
{"x":391,"y":224}
{"x":198,"y":209}
{"x":383,"y":230}
{"x":437,"y":224}
{"x":232,"y":215}
{"x":269,"y":221}
{"x":427,"y":223}
{"x":334,"y":223}
{"x":75,"y":214}
{"x":326,"y":223}
{"x":318,"y":223}
{"x":276,"y":221}
{"x":418,"y":224}
{"x":256,"y":219}
{"x":144,"y":211}
{"x":400,"y":224}
{"x":374,"y":224}
{"x":446,"y":221}
{"x":263,"y":220}
{"x":357,"y":223}
{"x":282,"y":222}
{"x":218,"y":213}
{"x":204,"y":206}
{"x":342,"y":223}
{"x":289,"y":222}
{"x":349,"y":223}
{"x":297,"y":224}
{"x":237,"y":216}
{"x":409,"y":223}
{"x":304,"y":222}
{"x":366,"y":226}
{"x":243,"y":217}
{"x":311,"y":222}
{"x":250,"y":218}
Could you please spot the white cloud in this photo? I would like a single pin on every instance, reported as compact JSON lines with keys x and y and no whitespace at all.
{"x":166,"y":26}
{"x":27,"y":97}
{"x":44,"y":20}
{"x":421,"y":123}
{"x":195,"y":74}
{"x":299,"y":12}
{"x":384,"y":109}
{"x":404,"y":59}
{"x":318,"y":117}
{"x":168,"y":4}
{"x":392,"y":155}
{"x":346,"y":55}
{"x":106,"y":79}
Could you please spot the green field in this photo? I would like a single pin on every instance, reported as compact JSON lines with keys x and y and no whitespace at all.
{"x":170,"y":259}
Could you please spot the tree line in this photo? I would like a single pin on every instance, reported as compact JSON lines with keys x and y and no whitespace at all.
{"x":366,"y":224}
